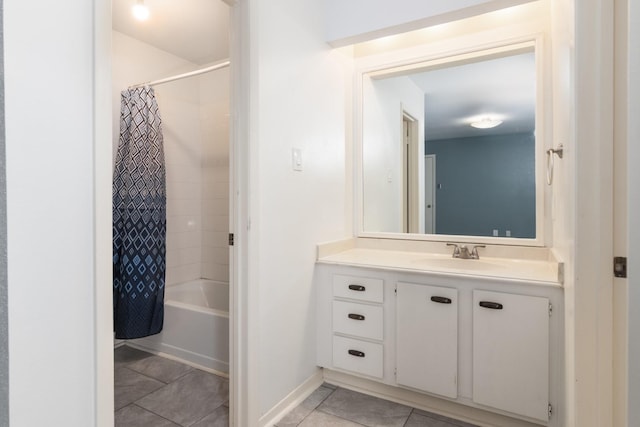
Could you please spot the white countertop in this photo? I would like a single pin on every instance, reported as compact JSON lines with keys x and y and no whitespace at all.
{"x":503,"y":268}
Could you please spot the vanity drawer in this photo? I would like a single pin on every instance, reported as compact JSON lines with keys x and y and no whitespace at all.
{"x":358,"y":288}
{"x":358,"y":319}
{"x":357,"y":356}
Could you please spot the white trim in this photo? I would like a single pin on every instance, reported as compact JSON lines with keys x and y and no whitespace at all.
{"x":426,"y":402}
{"x":633,"y":199}
{"x":243,"y":308}
{"x":292,"y":400}
{"x":622,"y":170}
{"x":243,"y":392}
{"x":202,"y":364}
{"x":459,"y":51}
{"x":102,"y":180}
{"x":593,"y":153}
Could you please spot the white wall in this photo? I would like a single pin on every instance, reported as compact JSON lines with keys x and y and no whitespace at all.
{"x":383,"y":104}
{"x":563,"y":203}
{"x":50,"y":197}
{"x":359,"y":20}
{"x":194,"y":115}
{"x":302,"y":95}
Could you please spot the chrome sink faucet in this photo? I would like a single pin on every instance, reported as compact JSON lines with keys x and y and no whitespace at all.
{"x":462,"y":251}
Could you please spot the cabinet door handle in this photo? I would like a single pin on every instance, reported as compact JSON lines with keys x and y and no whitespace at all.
{"x":441,"y":300}
{"x":358,"y":288}
{"x":356,"y":353}
{"x":356,"y":316}
{"x":491,"y":305}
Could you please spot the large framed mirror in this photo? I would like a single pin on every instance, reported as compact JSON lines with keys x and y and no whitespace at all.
{"x":451,"y":147}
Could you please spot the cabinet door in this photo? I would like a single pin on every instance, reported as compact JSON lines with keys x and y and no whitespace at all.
{"x":427,"y":338}
{"x":511,"y":353}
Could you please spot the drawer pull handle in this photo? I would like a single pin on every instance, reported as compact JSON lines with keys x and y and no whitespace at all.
{"x":441,"y":300}
{"x":356,"y":316}
{"x":356,"y":353}
{"x":491,"y":305}
{"x":358,"y":288}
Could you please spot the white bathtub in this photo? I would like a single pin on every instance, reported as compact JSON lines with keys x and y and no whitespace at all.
{"x":196,"y":325}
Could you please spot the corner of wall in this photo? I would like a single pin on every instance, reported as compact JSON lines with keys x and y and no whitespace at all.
{"x":4,"y":341}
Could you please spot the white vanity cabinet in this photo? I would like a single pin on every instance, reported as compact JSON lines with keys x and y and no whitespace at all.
{"x":488,"y":344}
{"x":357,"y":319}
{"x":511,"y":352}
{"x":427,"y":338}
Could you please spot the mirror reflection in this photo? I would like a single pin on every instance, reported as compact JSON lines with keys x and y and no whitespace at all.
{"x":450,"y":149}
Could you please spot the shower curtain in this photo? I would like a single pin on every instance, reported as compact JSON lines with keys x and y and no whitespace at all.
{"x":139,"y":218}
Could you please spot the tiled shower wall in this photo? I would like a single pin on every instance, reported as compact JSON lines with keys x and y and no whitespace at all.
{"x":180,"y":108}
{"x":214,"y":119}
{"x":195,"y":127}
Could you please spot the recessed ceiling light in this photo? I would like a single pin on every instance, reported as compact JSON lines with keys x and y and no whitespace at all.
{"x":486,"y":123}
{"x":140,"y":11}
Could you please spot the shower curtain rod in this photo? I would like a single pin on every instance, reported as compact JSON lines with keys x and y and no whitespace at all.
{"x":214,"y":67}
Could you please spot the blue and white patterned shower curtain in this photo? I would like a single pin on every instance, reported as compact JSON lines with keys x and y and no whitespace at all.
{"x":139,"y":218}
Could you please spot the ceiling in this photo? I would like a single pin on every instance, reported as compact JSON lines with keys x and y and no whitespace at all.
{"x":196,"y":30}
{"x":502,"y":88}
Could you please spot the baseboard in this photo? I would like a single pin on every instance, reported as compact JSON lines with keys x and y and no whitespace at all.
{"x":292,"y":400}
{"x":206,"y":366}
{"x":423,"y":401}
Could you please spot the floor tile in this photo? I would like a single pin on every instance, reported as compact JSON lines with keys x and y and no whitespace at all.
{"x":130,"y":386}
{"x":188,"y":399}
{"x":456,"y":423}
{"x":159,"y":368}
{"x":135,"y":416}
{"x":331,"y":386}
{"x":416,"y":420}
{"x":363,"y":409}
{"x":298,"y":413}
{"x":321,"y":419}
{"x":219,"y":418}
{"x":124,"y":355}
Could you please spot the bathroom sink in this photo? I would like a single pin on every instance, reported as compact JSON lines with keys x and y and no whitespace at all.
{"x":458,"y":264}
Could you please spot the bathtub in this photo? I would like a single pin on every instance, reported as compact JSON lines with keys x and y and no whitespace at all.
{"x":196,"y":325}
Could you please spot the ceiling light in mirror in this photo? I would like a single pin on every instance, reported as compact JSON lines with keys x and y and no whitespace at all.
{"x":486,"y":123}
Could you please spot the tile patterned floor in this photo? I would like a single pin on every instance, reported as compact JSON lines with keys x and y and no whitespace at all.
{"x":151,"y":391}
{"x":329,"y":406}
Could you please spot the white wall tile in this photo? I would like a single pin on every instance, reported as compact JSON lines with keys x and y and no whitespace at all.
{"x":184,"y":223}
{"x":215,"y":223}
{"x":183,"y":273}
{"x":215,"y":272}
{"x":184,"y":240}
{"x":215,"y":255}
{"x":183,"y":190}
{"x":184,"y":207}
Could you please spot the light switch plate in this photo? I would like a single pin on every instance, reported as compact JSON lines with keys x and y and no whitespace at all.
{"x":296,"y":159}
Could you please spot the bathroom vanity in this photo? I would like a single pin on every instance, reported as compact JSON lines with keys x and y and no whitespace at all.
{"x":431,"y":329}
{"x":402,"y":315}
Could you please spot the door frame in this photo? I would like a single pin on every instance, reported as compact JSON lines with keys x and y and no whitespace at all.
{"x":243,"y":361}
{"x":433,"y":193}
{"x":410,"y":173}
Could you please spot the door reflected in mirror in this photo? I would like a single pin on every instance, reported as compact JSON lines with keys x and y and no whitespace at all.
{"x":450,"y":149}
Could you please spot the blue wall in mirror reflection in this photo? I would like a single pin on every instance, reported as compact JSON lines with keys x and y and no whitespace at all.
{"x":484,"y":184}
